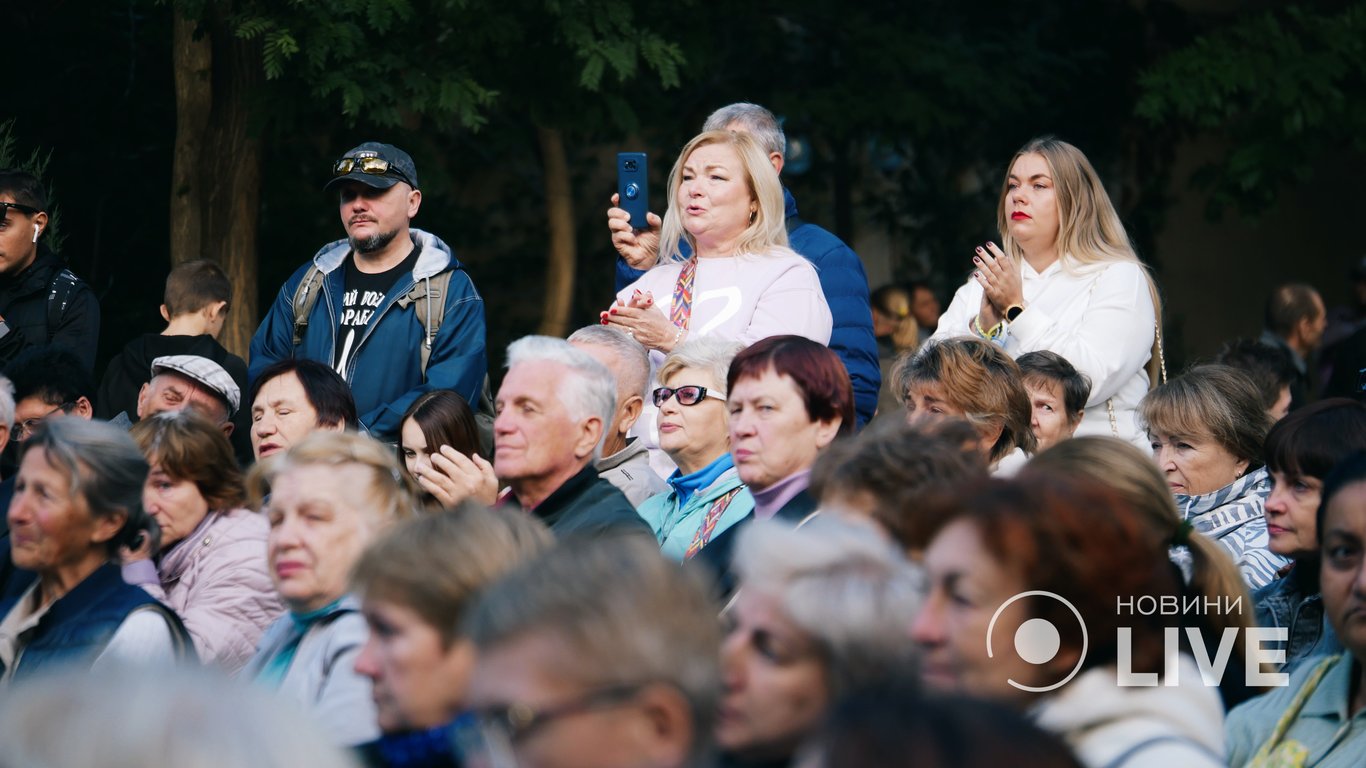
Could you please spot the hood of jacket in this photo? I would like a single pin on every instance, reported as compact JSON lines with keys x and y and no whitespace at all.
{"x":1102,"y":720}
{"x":434,"y":258}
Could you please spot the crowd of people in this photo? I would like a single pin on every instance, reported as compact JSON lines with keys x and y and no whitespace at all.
{"x":756,"y":516}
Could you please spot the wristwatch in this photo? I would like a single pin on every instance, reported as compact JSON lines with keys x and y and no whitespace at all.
{"x":1013,"y":311}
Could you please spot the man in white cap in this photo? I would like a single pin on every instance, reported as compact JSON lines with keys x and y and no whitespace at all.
{"x":190,"y":381}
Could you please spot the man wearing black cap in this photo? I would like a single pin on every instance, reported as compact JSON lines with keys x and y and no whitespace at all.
{"x":390,"y":307}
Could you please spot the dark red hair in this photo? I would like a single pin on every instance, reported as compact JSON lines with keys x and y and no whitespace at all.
{"x":1079,"y":540}
{"x":818,"y":373}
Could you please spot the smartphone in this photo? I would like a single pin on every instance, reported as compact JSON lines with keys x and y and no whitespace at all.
{"x":633,"y":186}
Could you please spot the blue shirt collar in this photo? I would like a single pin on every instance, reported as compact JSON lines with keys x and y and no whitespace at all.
{"x":686,"y":485}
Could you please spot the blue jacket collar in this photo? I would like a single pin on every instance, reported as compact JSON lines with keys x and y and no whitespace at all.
{"x":789,"y":204}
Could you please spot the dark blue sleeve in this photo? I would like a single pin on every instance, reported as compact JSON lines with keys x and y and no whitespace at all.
{"x":626,"y":274}
{"x":846,"y":291}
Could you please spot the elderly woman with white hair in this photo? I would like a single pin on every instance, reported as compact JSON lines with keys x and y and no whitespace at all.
{"x":706,"y":495}
{"x":822,"y":610}
{"x":330,"y":496}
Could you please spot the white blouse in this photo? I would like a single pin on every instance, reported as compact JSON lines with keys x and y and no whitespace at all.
{"x":1100,"y":317}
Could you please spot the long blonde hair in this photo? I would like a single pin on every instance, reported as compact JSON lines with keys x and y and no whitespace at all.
{"x":1089,"y":228}
{"x":767,"y":230}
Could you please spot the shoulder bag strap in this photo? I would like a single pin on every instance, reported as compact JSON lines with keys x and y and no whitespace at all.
{"x":305,"y":298}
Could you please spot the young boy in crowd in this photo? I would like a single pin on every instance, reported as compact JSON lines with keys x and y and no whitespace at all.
{"x":1057,"y":395}
{"x":196,"y":303}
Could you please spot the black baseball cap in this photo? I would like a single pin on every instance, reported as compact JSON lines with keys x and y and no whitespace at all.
{"x":401,"y":167}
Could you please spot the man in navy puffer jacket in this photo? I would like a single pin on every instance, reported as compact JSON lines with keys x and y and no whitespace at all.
{"x":841,"y":273}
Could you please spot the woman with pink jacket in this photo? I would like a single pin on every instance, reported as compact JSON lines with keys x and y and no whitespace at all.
{"x":212,"y":564}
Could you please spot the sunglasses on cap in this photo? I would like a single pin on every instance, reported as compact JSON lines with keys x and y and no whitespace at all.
{"x":373,"y":166}
{"x":690,"y":394}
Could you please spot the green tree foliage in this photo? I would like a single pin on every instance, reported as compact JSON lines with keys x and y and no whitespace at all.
{"x":384,"y":62}
{"x":1284,"y":88}
{"x":35,"y":162}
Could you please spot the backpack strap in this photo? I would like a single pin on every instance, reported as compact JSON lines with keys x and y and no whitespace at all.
{"x":180,"y":636}
{"x":305,"y":298}
{"x":428,"y":298}
{"x":59,"y":293}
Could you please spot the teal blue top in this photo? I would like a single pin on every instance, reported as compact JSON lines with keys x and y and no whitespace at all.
{"x":278,"y":665}
{"x":1332,"y":737}
{"x":676,"y":514}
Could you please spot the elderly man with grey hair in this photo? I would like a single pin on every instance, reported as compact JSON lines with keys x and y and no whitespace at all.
{"x":625,"y":461}
{"x":553,"y":409}
{"x":613,"y":648}
{"x":841,"y":272}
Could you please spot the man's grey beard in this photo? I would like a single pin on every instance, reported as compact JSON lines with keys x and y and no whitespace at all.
{"x":374,"y":242}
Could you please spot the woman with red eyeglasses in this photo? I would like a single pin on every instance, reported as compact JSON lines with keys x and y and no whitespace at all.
{"x":706,"y":495}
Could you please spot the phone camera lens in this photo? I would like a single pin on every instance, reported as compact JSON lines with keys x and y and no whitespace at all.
{"x":629,"y":165}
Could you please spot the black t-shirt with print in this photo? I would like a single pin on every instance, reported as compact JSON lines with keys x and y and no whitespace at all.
{"x":362,"y":299}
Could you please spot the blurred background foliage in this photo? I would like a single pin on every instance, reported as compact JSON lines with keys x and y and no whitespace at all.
{"x":901,"y":117}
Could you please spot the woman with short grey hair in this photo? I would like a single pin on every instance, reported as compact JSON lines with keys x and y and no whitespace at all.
{"x":822,"y":610}
{"x":77,"y":503}
{"x":705,"y":495}
{"x":1207,"y":427}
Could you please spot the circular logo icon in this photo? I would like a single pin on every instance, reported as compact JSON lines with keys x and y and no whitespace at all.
{"x":1037,"y":641}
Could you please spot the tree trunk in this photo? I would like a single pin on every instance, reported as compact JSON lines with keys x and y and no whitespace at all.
{"x":216,"y":173}
{"x":561,"y":256}
{"x":192,"y":61}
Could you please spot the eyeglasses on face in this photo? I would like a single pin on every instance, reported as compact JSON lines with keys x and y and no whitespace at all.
{"x":23,"y":430}
{"x":688,"y":394}
{"x":373,"y":166}
{"x":509,"y":724}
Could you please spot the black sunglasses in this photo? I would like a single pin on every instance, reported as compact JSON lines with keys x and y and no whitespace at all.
{"x":24,"y":209}
{"x":689,"y":394}
{"x":373,"y":166}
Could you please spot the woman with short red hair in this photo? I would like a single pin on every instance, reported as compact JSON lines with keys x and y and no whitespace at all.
{"x":1038,"y":573}
{"x":789,"y":397}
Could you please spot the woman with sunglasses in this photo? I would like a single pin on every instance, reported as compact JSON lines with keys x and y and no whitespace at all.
{"x":36,"y":289}
{"x":706,"y":495}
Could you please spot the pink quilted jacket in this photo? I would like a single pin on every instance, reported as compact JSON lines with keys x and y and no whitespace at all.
{"x":218,"y":581}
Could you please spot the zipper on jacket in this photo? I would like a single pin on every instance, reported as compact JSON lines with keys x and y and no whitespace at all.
{"x":389,"y":301}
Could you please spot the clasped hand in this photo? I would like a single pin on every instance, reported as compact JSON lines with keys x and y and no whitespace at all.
{"x":642,"y":321}
{"x":999,"y":276}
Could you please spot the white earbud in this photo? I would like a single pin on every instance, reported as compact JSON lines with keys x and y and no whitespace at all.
{"x":36,"y":230}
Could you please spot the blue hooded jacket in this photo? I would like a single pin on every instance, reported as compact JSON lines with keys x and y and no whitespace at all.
{"x":846,"y":291}
{"x":385,"y":371}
